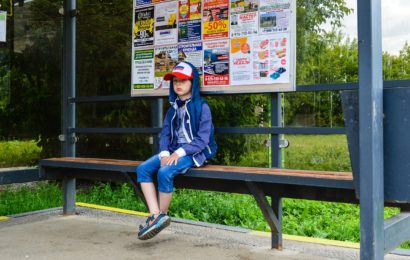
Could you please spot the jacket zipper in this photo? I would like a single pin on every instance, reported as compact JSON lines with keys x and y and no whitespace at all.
{"x":172,"y":130}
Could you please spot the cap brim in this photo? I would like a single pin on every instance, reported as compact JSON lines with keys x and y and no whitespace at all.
{"x":171,"y":75}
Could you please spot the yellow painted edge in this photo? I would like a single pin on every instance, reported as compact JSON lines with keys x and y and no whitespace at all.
{"x":4,"y":218}
{"x":124,"y":211}
{"x":312,"y":240}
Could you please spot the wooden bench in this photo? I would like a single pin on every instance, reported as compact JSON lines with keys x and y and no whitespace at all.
{"x":259,"y":182}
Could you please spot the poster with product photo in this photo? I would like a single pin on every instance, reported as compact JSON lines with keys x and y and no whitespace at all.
{"x":143,"y":70}
{"x":216,"y":63}
{"x":244,"y":18}
{"x":166,"y":31}
{"x":165,"y":59}
{"x":271,"y":58}
{"x":189,"y":22}
{"x":274,"y":16}
{"x":144,"y":26}
{"x":215,"y":19}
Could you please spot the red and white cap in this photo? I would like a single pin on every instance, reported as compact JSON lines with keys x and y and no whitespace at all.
{"x":182,"y":70}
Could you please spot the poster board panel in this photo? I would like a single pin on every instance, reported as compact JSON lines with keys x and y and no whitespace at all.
{"x":238,"y":46}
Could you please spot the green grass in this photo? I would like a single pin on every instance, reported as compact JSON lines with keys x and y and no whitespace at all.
{"x":42,"y":195}
{"x":19,"y":153}
{"x":311,"y":152}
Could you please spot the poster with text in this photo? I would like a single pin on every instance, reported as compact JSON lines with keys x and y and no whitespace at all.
{"x":215,"y":19}
{"x":241,"y":61}
{"x":144,"y":26}
{"x":271,"y":58}
{"x":244,"y":18}
{"x":216,"y":63}
{"x":143,"y":70}
{"x":143,"y":2}
{"x":166,"y":31}
{"x":192,"y":53}
{"x":165,"y":60}
{"x":189,"y":22}
{"x":274,"y":16}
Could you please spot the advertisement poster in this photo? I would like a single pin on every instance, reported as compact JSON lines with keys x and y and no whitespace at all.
{"x":143,"y":2}
{"x":189,"y":25}
{"x":216,"y":63}
{"x":165,"y":60}
{"x":244,"y":18}
{"x":215,"y":19}
{"x":271,"y":58}
{"x":143,"y":70}
{"x":166,"y":31}
{"x":191,"y":52}
{"x":144,"y":26}
{"x":274,"y":16}
{"x":241,"y":61}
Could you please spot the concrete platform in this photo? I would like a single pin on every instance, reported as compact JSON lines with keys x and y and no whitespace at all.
{"x":99,"y":234}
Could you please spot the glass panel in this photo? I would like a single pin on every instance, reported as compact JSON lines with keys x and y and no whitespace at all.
{"x":126,"y":147}
{"x":326,"y":53}
{"x":104,"y":48}
{"x":242,"y":150}
{"x":313,"y":109}
{"x":240,"y":110}
{"x":317,"y":152}
{"x":134,"y":113}
{"x":30,"y":84}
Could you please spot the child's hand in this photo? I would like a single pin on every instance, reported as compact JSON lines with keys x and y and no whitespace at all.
{"x":164,"y":160}
{"x":173,"y":159}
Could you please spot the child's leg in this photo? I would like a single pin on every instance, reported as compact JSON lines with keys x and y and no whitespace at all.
{"x":150,"y":194}
{"x":164,"y":201}
{"x":166,"y":176}
{"x":144,"y":176}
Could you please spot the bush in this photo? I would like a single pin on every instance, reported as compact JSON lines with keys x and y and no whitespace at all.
{"x":19,"y":153}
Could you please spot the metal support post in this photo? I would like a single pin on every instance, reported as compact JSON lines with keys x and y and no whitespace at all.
{"x":396,"y":231}
{"x":69,"y":196}
{"x":157,"y":118}
{"x":269,"y":214}
{"x":276,"y":158}
{"x":277,"y":211}
{"x":276,"y":121}
{"x":68,"y":111}
{"x":371,"y":164}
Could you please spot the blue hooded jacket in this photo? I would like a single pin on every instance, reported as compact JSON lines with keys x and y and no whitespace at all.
{"x":197,"y":123}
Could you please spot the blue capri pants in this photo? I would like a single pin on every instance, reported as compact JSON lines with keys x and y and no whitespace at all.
{"x":165,"y":174}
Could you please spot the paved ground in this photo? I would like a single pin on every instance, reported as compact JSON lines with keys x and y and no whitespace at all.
{"x":98,"y":234}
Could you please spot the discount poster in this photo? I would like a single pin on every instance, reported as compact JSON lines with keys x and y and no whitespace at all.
{"x":215,"y":19}
{"x":165,"y":60}
{"x":241,"y":61}
{"x":244,"y":18}
{"x":216,"y":63}
{"x":144,"y":26}
{"x":189,"y":25}
{"x":271,"y":58}
{"x":166,"y":31}
{"x":143,"y":70}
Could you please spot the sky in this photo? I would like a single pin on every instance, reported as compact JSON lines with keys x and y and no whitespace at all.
{"x":395,"y":30}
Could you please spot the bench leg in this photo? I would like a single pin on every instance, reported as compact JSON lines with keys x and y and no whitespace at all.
{"x":270,"y":213}
{"x":69,"y":194}
{"x":277,"y":210}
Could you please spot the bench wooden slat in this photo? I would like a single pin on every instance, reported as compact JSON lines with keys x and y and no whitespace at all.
{"x":215,"y":168}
